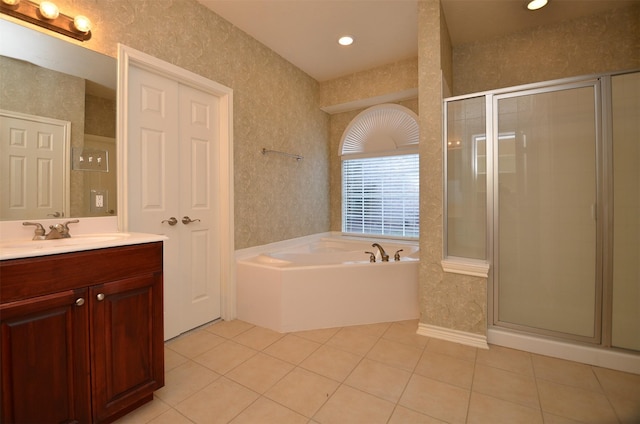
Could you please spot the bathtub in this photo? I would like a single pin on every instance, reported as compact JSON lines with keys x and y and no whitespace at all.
{"x":324,"y":281}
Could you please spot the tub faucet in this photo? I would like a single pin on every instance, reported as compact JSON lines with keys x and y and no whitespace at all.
{"x":383,"y":254}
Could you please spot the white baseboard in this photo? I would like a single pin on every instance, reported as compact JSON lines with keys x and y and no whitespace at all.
{"x":455,"y":336}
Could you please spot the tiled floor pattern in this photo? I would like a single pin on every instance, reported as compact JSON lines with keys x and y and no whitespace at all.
{"x":234,"y":372}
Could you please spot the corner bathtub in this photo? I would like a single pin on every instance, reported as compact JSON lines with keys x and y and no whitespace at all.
{"x":325,"y":281}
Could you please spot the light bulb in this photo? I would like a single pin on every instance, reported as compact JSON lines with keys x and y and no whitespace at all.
{"x":82,"y":24}
{"x":49,"y":10}
{"x":11,"y":2}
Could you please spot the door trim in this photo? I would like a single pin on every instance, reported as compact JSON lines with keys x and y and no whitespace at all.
{"x":128,"y":57}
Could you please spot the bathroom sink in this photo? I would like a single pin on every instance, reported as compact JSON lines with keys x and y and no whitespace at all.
{"x":72,"y":241}
{"x":22,"y":248}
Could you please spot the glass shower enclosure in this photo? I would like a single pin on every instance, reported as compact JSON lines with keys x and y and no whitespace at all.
{"x":558,"y":165}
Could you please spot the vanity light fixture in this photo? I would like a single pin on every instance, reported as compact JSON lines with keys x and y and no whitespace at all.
{"x":47,"y":15}
{"x":536,"y":4}
{"x":345,"y":40}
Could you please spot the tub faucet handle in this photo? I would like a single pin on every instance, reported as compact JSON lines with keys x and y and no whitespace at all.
{"x":396,"y":257}
{"x":372,"y":256}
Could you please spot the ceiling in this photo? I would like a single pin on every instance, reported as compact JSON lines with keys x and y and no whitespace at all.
{"x":305,"y":32}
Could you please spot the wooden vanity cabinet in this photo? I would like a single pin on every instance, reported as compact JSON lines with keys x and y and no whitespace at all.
{"x":45,"y":360}
{"x":81,"y":334}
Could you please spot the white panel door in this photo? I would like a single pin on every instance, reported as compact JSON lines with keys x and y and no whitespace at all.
{"x":199,"y":243}
{"x":33,"y":153}
{"x":171,"y":129}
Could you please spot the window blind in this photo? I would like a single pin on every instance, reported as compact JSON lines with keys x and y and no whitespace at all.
{"x":380,"y":196}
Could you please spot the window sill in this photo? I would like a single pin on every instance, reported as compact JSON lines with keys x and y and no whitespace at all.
{"x":465,"y":266}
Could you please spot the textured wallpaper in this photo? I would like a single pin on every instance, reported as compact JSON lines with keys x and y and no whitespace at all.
{"x":275,"y":106}
{"x":605,"y":42}
{"x":446,"y":300}
{"x":100,"y":116}
{"x":391,"y":78}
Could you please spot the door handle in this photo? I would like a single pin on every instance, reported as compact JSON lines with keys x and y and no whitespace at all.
{"x":171,"y":221}
{"x":186,"y":220}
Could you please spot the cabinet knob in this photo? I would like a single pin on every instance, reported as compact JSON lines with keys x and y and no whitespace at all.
{"x":100,"y":296}
{"x":79,"y":301}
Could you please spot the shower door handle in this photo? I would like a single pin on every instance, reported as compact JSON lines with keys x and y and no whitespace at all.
{"x":186,"y":220}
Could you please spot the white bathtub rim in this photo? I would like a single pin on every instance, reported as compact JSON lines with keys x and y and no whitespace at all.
{"x":248,"y":255}
{"x":278,"y":245}
{"x":286,"y":265}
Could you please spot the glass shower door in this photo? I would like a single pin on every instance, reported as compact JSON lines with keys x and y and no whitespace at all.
{"x":546,"y":191}
{"x":625,"y":104}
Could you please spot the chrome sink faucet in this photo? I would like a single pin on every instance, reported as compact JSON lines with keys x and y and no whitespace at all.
{"x":383,"y":254}
{"x":58,"y":231}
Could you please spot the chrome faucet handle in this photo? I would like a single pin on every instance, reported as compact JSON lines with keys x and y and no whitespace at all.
{"x":39,"y":231}
{"x":64,"y":231}
{"x":396,"y":257}
{"x":372,"y":256}
{"x":73,"y":221}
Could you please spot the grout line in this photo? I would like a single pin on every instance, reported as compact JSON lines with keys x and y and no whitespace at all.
{"x":473,"y":380}
{"x":535,"y":381}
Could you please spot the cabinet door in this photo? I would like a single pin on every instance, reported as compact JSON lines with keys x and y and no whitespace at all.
{"x":126,"y":344}
{"x":44,"y":356}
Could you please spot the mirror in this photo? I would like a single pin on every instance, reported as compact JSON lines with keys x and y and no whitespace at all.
{"x":62,"y":98}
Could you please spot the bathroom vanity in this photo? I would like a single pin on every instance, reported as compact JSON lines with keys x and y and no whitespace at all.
{"x":81,"y":333}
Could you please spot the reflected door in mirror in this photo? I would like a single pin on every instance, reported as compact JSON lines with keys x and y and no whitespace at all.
{"x":33,"y":152}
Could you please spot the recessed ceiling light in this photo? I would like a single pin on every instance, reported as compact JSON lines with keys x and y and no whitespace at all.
{"x":345,"y":40}
{"x":536,"y":4}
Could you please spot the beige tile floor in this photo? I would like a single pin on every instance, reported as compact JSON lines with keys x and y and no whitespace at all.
{"x":235,"y":372}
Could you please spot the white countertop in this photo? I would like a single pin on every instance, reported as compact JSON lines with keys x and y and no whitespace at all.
{"x":87,"y":234}
{"x":26,"y":248}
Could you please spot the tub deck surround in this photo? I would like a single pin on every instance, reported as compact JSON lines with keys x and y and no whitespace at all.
{"x":324,"y":281}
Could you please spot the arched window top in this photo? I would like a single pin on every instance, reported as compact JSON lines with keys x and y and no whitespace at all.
{"x":383,"y":129}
